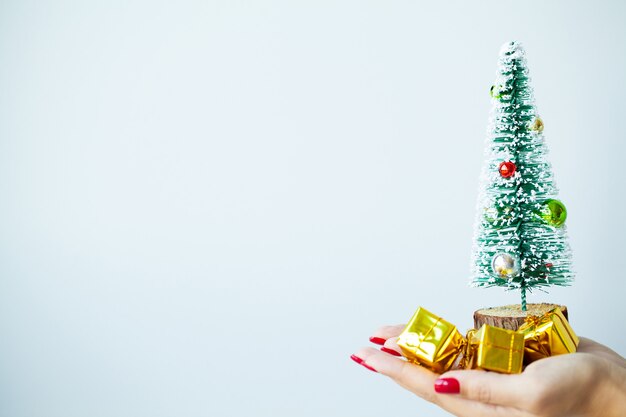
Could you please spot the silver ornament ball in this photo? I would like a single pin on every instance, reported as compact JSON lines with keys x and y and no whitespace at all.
{"x":505,"y":265}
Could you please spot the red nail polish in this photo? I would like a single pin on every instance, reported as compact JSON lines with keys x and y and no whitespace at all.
{"x":390,"y":351}
{"x":360,"y":362}
{"x":356,"y":359}
{"x":447,"y":386}
{"x":378,"y":340}
{"x":369,"y":367}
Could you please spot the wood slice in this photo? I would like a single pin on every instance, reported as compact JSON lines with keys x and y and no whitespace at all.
{"x":511,"y":317}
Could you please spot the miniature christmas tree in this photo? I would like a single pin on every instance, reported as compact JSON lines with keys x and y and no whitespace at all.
{"x":520,"y":238}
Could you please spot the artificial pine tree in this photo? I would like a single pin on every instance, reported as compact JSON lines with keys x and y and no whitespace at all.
{"x":520,"y":237}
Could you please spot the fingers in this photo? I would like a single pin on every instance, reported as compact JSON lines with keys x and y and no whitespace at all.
{"x":421,"y":381}
{"x":386,"y":332}
{"x":591,"y":346}
{"x":480,"y":393}
{"x":391,"y":347}
{"x":588,"y":345}
{"x":490,"y":387}
{"x":415,"y":378}
{"x":480,"y":386}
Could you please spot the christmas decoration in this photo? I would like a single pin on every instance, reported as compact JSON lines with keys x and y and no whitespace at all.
{"x":500,"y":217}
{"x":430,"y":341}
{"x":537,"y":125}
{"x":495,"y":92}
{"x":507,"y":169}
{"x":511,"y":249}
{"x":436,"y":344}
{"x":520,"y":243}
{"x":553,"y":212}
{"x":491,"y":214}
{"x":494,"y":349}
{"x":505,"y":265}
{"x":547,"y":335}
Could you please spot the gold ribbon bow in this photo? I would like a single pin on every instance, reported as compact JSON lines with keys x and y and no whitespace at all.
{"x":547,"y":335}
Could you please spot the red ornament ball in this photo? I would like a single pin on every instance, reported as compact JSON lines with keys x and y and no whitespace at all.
{"x":507,"y":169}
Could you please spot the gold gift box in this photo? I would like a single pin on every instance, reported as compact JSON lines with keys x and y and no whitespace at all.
{"x":494,"y":349}
{"x":547,"y":335}
{"x":430,"y":341}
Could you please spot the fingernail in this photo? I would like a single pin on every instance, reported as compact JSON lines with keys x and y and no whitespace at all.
{"x":360,"y":362}
{"x":390,"y":351}
{"x":378,"y":340}
{"x":369,"y":367}
{"x":356,"y":359}
{"x":447,"y":386}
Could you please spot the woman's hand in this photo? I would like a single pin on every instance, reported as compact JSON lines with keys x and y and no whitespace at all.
{"x":590,"y":382}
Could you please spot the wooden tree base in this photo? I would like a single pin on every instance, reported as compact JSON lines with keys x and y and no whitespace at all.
{"x":511,"y":317}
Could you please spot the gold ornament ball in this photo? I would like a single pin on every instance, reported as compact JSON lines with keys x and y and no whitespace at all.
{"x":505,"y":265}
{"x":537,"y":125}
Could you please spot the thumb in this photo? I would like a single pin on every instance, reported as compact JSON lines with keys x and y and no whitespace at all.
{"x":483,"y":386}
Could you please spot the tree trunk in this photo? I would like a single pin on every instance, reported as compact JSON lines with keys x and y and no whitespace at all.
{"x":511,"y":317}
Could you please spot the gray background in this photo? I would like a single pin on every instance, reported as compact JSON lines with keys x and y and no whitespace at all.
{"x":207,"y":206}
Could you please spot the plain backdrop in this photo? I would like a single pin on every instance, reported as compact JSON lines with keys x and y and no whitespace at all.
{"x":206,"y":207}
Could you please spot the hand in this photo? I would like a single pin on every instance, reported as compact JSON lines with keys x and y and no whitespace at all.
{"x":588,"y":383}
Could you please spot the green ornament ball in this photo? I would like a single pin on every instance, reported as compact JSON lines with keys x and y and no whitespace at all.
{"x":500,"y":215}
{"x":494,"y":91}
{"x":491,"y":214}
{"x":553,"y":212}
